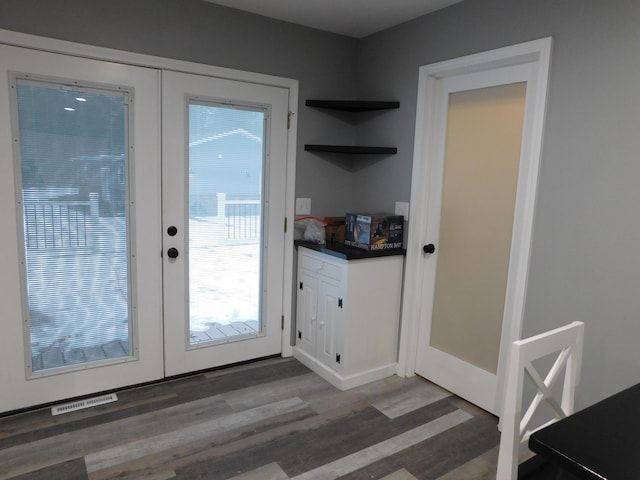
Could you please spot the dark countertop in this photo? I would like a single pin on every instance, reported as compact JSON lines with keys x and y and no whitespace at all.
{"x":339,"y":250}
{"x":599,"y":442}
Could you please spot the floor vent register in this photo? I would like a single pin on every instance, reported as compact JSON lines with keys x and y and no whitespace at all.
{"x":81,"y":404}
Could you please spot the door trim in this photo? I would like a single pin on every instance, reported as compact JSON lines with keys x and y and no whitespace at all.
{"x":427,"y":148}
{"x":35,"y":42}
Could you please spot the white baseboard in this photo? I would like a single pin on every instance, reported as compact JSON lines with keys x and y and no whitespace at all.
{"x":344,"y":382}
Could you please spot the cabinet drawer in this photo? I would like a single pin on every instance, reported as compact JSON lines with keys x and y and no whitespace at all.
{"x":320,"y":267}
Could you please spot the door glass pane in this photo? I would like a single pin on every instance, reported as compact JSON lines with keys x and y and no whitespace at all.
{"x":226,"y":157}
{"x":482,"y":157}
{"x":73,"y":164}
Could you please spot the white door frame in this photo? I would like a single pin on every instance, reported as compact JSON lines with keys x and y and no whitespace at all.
{"x":428,"y":147}
{"x":89,"y":51}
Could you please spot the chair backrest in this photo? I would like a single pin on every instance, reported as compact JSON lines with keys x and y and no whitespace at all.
{"x":516,"y":426}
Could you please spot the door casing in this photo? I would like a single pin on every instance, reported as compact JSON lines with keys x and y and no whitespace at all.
{"x":428,"y":147}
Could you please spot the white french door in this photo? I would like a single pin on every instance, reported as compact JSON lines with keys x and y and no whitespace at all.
{"x":224,"y":169}
{"x":104,"y":169}
{"x":79,"y":186}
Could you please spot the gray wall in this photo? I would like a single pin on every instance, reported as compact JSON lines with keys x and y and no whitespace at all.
{"x":585,"y":263}
{"x":199,"y":31}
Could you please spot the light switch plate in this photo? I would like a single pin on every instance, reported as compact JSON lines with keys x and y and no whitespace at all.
{"x":303,"y":206}
{"x":402,"y":208}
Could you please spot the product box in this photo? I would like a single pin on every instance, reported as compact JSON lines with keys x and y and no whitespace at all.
{"x":334,"y":230}
{"x":374,"y":231}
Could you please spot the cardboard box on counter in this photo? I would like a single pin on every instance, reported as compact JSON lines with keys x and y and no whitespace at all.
{"x":372,"y":232}
{"x":334,"y":230}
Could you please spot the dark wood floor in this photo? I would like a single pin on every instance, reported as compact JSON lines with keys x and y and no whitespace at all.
{"x":271,"y":420}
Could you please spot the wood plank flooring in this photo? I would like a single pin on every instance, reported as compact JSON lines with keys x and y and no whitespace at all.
{"x":269,"y":420}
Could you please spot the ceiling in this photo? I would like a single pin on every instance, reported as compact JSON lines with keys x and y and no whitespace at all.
{"x":354,"y":18}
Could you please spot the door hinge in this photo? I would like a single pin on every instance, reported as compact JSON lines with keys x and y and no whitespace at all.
{"x":299,"y":334}
{"x":339,"y":303}
{"x":289,"y":115}
{"x":337,"y":358}
{"x":285,"y":224}
{"x":282,"y":323}
{"x":301,"y":286}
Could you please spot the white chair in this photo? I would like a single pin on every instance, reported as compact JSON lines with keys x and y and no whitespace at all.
{"x":567,"y":343}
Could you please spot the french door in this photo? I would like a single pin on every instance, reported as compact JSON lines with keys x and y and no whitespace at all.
{"x":224,"y":165}
{"x":79,"y":183}
{"x":93,"y":297}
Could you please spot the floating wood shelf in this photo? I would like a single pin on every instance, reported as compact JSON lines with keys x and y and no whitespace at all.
{"x":352,"y":105}
{"x":353,"y":150}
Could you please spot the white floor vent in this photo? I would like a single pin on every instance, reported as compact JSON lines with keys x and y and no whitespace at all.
{"x":87,"y":403}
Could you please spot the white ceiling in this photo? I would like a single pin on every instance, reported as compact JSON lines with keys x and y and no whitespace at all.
{"x":354,"y":18}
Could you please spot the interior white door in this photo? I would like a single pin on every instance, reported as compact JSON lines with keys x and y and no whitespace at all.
{"x":80,"y":287}
{"x":474,"y":227}
{"x":224,"y":170}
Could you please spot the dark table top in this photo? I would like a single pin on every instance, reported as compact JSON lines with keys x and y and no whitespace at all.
{"x":339,"y":250}
{"x":599,"y":442}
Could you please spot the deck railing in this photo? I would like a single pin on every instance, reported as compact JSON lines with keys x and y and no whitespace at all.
{"x":242,"y":217}
{"x":51,"y":224}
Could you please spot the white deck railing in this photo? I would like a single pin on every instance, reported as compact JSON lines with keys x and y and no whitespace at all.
{"x":242,"y":217}
{"x":57,"y":224}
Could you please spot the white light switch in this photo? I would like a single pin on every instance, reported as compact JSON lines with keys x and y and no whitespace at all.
{"x":303,"y":206}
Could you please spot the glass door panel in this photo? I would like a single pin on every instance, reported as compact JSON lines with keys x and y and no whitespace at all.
{"x":481,"y":163}
{"x":73,"y":164}
{"x":226,"y":158}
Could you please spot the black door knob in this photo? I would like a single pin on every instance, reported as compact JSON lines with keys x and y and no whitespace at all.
{"x":172,"y":253}
{"x":430,"y":248}
{"x":172,"y":231}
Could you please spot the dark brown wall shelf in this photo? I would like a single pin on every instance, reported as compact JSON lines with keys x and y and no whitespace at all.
{"x":353,"y":150}
{"x":352,"y":105}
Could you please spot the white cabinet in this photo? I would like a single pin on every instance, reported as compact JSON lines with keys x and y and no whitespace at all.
{"x":347,"y":316}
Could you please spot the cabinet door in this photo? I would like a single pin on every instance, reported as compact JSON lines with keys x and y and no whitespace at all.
{"x":329,"y":323}
{"x":307,"y":311}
